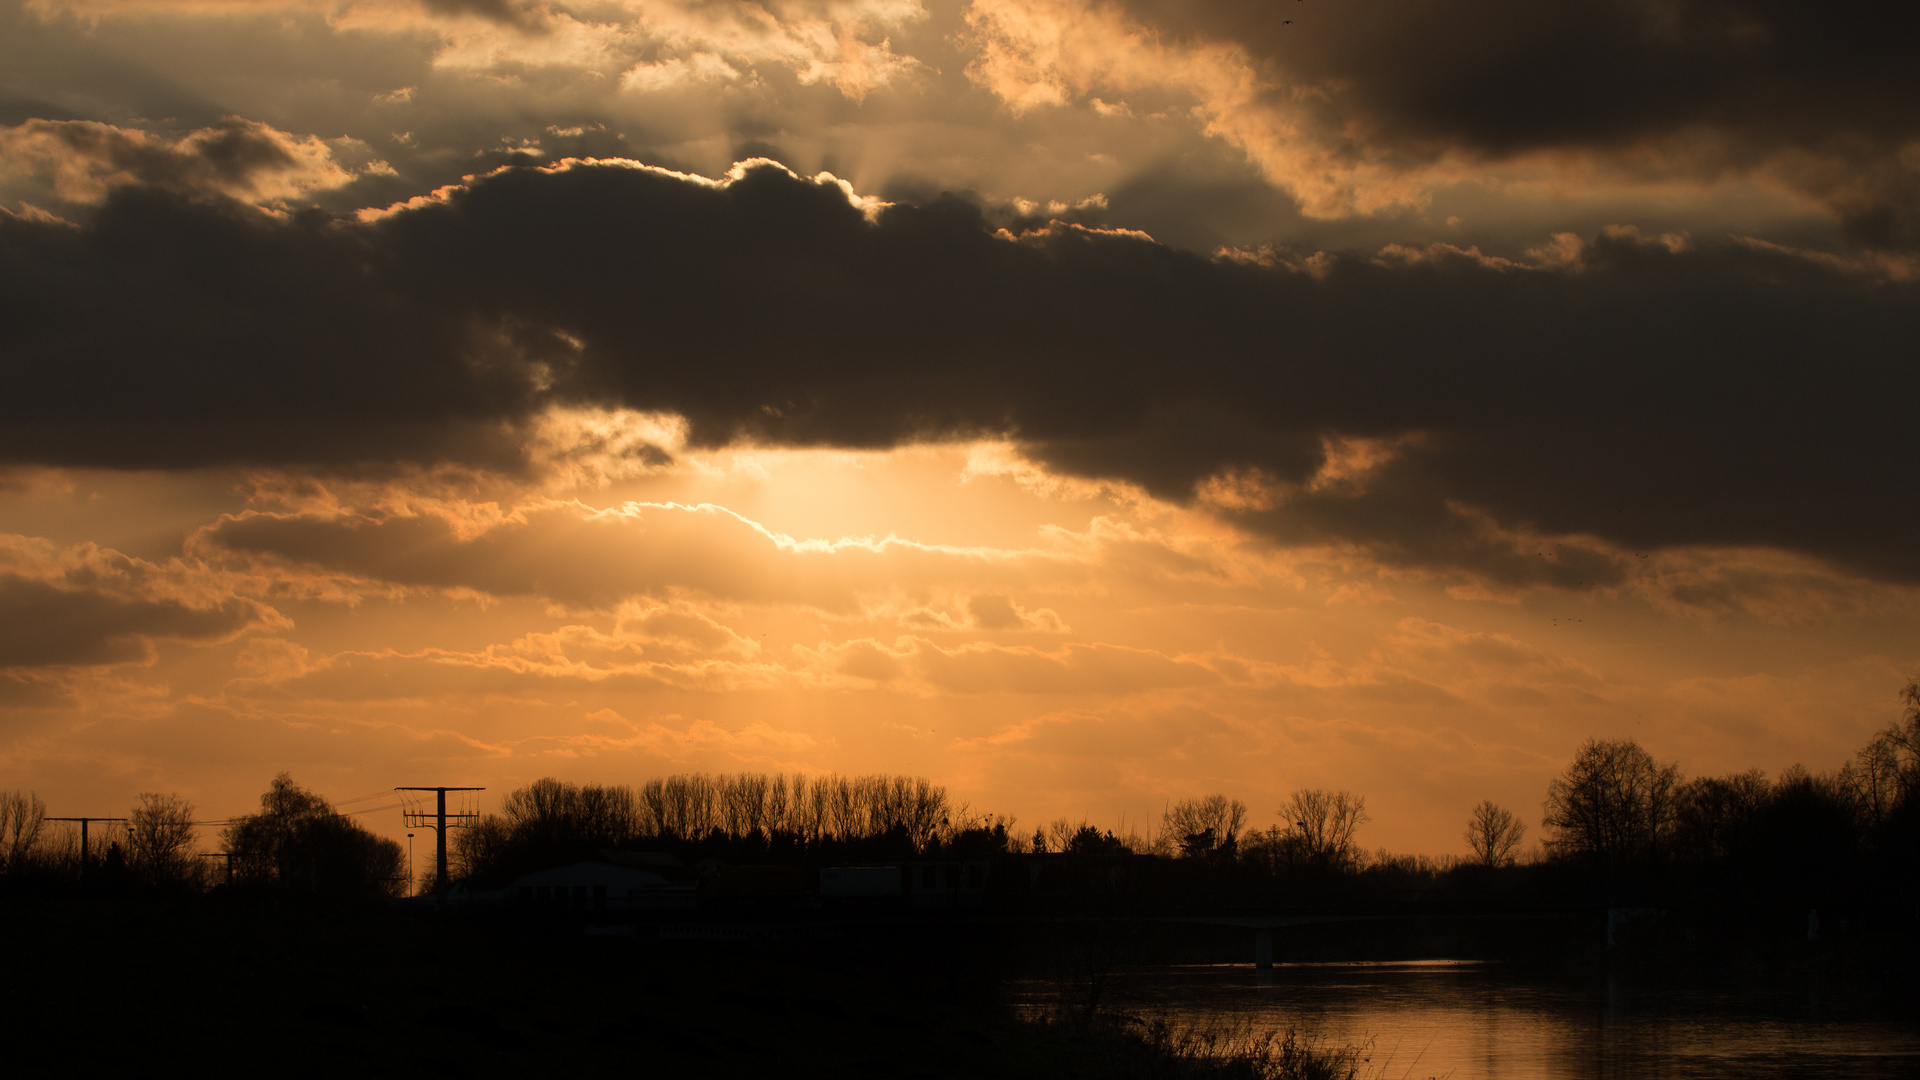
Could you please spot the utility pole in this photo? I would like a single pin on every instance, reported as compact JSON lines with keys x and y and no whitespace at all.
{"x":83,"y":840}
{"x":437,"y":821}
{"x":227,"y":855}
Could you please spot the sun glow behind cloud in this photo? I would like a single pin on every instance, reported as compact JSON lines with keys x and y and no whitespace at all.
{"x":1173,"y":398}
{"x":1048,"y":646}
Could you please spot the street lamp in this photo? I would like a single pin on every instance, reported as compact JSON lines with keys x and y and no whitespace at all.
{"x":409,"y":864}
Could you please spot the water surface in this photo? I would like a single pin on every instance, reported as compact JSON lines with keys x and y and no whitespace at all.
{"x":1468,"y":1020}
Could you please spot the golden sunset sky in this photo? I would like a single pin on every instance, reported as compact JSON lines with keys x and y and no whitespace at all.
{"x":1084,"y":405}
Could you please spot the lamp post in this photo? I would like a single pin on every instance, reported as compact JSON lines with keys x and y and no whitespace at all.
{"x":409,"y":864}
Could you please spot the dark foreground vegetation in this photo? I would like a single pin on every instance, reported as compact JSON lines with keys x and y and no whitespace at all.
{"x":165,"y":985}
{"x":743,"y":948}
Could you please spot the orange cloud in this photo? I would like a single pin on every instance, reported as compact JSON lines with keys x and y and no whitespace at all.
{"x":90,"y":606}
{"x":83,"y":160}
{"x":986,"y":667}
{"x":578,"y":555}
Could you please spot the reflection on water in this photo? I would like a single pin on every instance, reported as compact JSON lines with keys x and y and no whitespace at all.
{"x":1465,"y":1020}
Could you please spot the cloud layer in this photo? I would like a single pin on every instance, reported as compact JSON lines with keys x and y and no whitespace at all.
{"x":84,"y":606}
{"x":1437,"y":406}
{"x":1364,"y":105}
{"x":1496,"y":374}
{"x":575,"y":555}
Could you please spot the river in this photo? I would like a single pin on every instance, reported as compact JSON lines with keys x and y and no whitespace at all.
{"x":1469,"y":1021}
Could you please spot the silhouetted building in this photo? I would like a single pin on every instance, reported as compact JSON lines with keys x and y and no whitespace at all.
{"x":943,"y":881}
{"x":854,"y":882}
{"x":754,"y":881}
{"x":597,"y":886}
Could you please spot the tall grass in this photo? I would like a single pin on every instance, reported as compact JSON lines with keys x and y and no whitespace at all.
{"x":1140,"y":1049}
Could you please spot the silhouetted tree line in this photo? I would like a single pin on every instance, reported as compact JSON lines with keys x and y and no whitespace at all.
{"x":739,"y":817}
{"x":1616,"y":818}
{"x":1620,"y":822}
{"x":152,"y":849}
{"x":1849,"y":838}
{"x":296,"y":845}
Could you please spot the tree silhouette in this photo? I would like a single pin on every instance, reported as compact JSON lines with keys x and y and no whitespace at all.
{"x":1204,"y":828}
{"x":160,"y":841}
{"x":1493,"y":834}
{"x":1711,"y":813}
{"x":22,"y":820}
{"x":1885,"y":775}
{"x":1800,"y":844}
{"x":550,"y":822}
{"x":1614,"y":804}
{"x":1318,"y":833}
{"x":1089,"y":840}
{"x":297,"y":844}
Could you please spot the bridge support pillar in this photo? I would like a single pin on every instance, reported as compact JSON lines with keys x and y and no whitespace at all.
{"x":1263,"y":949}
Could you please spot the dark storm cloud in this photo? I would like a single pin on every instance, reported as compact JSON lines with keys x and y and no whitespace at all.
{"x":1635,"y":390}
{"x":173,"y":331}
{"x":1823,"y":91}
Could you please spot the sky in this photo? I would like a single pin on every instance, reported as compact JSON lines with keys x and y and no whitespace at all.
{"x":1085,"y":405}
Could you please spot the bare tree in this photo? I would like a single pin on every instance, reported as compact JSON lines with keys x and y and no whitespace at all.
{"x":1060,"y":833}
{"x":1204,"y":827}
{"x":160,"y":840}
{"x":1874,"y":780}
{"x":845,"y":816}
{"x":475,"y":851}
{"x":1020,"y":843}
{"x":551,"y":820}
{"x":1907,"y":732}
{"x":1322,"y":824}
{"x":1886,"y":773}
{"x":1494,"y":834}
{"x":22,"y":819}
{"x":1614,"y":804}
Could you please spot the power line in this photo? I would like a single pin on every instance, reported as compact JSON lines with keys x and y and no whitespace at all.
{"x":363,"y":798}
{"x":337,"y":813}
{"x":334,"y":803}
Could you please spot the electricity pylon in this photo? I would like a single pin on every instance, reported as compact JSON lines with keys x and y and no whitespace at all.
{"x":437,"y":821}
